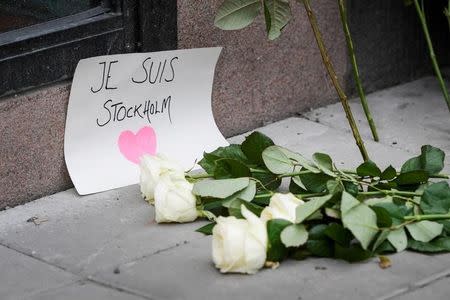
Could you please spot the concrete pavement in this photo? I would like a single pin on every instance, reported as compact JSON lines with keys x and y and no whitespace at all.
{"x":106,"y":246}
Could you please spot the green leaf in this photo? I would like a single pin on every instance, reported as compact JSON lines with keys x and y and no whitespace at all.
{"x":334,"y":187}
{"x":276,"y":250}
{"x":321,"y":248}
{"x":294,"y":235}
{"x":237,"y":14}
{"x":300,"y":160}
{"x":412,"y":177}
{"x":425,"y":231}
{"x":246,"y":194}
{"x":380,"y":239}
{"x":397,"y":212}
{"x":233,"y":151}
{"x":278,"y":14}
{"x":277,"y":161}
{"x":254,"y":145}
{"x":234,"y":208}
{"x":430,"y":160}
{"x":207,"y":229}
{"x":296,"y":186}
{"x":351,"y":188}
{"x":438,"y":245}
{"x":270,"y":181}
{"x":304,"y":211}
{"x":436,"y":198}
{"x":315,"y":183}
{"x":359,"y":219}
{"x":339,"y":234}
{"x":353,"y":253}
{"x":368,"y":168}
{"x":446,"y":224}
{"x":389,"y":173}
{"x":262,"y":201}
{"x":383,"y":217}
{"x":318,"y":243}
{"x":317,"y":232}
{"x":230,"y":168}
{"x":220,"y":188}
{"x":324,"y":163}
{"x":398,"y":239}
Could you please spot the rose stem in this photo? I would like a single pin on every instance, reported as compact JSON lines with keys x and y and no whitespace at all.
{"x":423,"y":22}
{"x":332,"y":73}
{"x":427,"y":217}
{"x":447,"y":14}
{"x":351,"y":53}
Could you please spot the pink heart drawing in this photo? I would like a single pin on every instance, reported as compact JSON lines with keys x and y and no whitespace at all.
{"x":133,"y":146}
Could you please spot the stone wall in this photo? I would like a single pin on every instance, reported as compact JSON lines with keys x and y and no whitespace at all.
{"x":256,"y":82}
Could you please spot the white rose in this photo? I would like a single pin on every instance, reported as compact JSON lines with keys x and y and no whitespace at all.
{"x":281,"y":206}
{"x":174,"y":201}
{"x":152,"y":168}
{"x":239,"y":245}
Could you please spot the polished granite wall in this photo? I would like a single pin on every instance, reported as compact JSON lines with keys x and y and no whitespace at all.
{"x":256,"y":82}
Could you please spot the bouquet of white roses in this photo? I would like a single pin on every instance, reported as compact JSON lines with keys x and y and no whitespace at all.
{"x":324,"y":211}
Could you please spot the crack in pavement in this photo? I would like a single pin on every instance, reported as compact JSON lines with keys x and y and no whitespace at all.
{"x":418,"y":285}
{"x":81,"y":276}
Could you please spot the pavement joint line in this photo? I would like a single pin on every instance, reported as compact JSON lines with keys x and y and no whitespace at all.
{"x":79,"y":275}
{"x":55,"y":288}
{"x":418,"y":285}
{"x":118,"y":288}
{"x":159,"y":251}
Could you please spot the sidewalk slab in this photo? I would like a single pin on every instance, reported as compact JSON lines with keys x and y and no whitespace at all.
{"x":84,"y":290}
{"x":307,"y":137}
{"x":188,"y":273}
{"x":438,"y":290}
{"x":22,"y":276}
{"x":86,"y":233}
{"x":406,"y":116}
{"x":110,"y":242}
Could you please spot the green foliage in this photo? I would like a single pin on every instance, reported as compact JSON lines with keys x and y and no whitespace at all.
{"x":315,"y":183}
{"x":277,"y":161}
{"x":441,"y":244}
{"x":324,"y":163}
{"x":349,"y":215}
{"x":276,"y":250}
{"x":294,"y":235}
{"x":412,"y":177}
{"x":220,"y":188}
{"x":254,"y":145}
{"x":208,"y":163}
{"x":369,"y":168}
{"x":359,"y":219}
{"x":436,"y":198}
{"x":430,"y":160}
{"x":389,"y":173}
{"x":306,"y":210}
{"x":277,"y":14}
{"x":425,"y":231}
{"x":207,"y":229}
{"x":237,"y":14}
{"x":234,"y":208}
{"x":230,"y":168}
{"x":398,"y":239}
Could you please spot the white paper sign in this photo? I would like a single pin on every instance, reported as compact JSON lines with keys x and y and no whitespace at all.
{"x":122,"y":106}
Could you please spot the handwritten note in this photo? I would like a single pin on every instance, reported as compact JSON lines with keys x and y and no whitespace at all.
{"x":124,"y":106}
